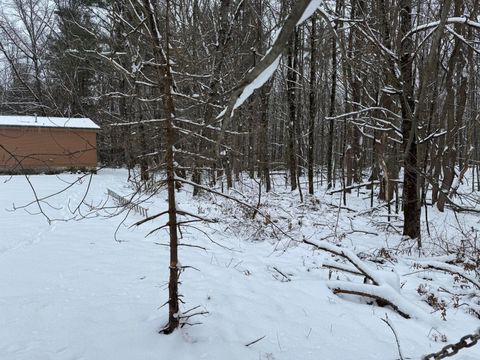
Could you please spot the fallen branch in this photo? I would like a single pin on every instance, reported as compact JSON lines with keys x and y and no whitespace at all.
{"x":347,"y":254}
{"x":334,"y":265}
{"x":385,"y":288}
{"x":375,"y":182}
{"x":383,"y":293}
{"x":441,"y":266}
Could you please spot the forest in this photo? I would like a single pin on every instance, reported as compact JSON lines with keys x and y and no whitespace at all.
{"x":369,"y":107}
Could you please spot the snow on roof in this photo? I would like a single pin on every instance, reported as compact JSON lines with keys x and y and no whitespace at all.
{"x":40,"y":121}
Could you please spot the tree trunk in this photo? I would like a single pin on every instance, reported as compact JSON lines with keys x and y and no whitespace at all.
{"x":331,"y":112}
{"x":291,"y":98}
{"x":164,"y":72}
{"x":411,"y":207}
{"x":263,"y":139}
{"x":313,"y":104}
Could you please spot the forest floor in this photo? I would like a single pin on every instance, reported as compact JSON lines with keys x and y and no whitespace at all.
{"x":92,"y":287}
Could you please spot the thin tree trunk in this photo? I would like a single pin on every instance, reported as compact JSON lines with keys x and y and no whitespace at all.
{"x":164,"y":73}
{"x":263,"y":138}
{"x":291,"y":84}
{"x":411,"y":208}
{"x":331,"y":112}
{"x":313,"y":104}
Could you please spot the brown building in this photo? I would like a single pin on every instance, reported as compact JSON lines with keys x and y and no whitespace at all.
{"x":47,"y":144}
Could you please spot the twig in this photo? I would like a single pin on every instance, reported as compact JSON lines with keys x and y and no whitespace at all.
{"x":375,"y":182}
{"x":390,"y":325}
{"x":281,"y":273}
{"x":255,"y":341}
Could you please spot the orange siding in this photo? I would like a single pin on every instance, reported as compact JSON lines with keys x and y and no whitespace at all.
{"x":47,"y":148}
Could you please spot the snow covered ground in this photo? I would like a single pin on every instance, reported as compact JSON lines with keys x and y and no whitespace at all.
{"x":69,"y":290}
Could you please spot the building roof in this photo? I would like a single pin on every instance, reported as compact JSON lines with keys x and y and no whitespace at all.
{"x":50,"y":122}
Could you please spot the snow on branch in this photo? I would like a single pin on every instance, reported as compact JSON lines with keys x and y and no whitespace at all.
{"x":361,"y":111}
{"x":383,"y":293}
{"x":437,"y":133}
{"x":335,"y":265}
{"x":384,"y":287}
{"x":452,"y":20}
{"x":311,"y":8}
{"x":349,"y":255}
{"x":453,"y":269}
{"x":356,"y":186}
{"x":260,"y":74}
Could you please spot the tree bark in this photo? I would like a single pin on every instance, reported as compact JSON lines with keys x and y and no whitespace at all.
{"x":162,"y":57}
{"x":331,"y":112}
{"x":313,"y":104}
{"x":292,"y":107}
{"x":411,"y":207}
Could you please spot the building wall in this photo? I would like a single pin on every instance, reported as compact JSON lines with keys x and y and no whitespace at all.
{"x":45,"y":149}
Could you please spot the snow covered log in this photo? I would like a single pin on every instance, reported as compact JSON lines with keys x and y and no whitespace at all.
{"x":385,"y":294}
{"x":385,"y":287}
